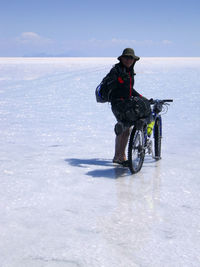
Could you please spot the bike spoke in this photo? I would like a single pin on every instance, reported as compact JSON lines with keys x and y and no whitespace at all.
{"x":136,"y":150}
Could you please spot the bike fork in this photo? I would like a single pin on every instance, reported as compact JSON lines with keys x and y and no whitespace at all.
{"x":160,"y":119}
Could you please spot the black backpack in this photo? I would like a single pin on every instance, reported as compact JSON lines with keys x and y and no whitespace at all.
{"x":99,"y":95}
{"x":105,"y":88}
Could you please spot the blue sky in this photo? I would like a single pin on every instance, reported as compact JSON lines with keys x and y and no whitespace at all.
{"x":99,"y":28}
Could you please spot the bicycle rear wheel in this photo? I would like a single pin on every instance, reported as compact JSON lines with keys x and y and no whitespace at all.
{"x":136,"y":150}
{"x":157,"y":138}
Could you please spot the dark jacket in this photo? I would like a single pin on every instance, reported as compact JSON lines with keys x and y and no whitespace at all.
{"x":120,"y":82}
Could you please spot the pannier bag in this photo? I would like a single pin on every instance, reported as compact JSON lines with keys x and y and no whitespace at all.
{"x":130,"y":110}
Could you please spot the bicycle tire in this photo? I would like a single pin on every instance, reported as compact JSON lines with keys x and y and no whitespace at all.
{"x":136,"y":152}
{"x":157,"y":138}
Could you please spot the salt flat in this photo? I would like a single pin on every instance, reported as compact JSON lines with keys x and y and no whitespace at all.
{"x":62,"y":202}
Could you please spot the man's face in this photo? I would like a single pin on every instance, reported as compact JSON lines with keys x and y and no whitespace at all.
{"x":127,"y":61}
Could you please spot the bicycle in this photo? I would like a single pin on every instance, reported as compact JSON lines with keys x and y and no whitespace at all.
{"x":140,"y":141}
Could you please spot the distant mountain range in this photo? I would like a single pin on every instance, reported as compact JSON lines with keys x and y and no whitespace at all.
{"x":43,"y":54}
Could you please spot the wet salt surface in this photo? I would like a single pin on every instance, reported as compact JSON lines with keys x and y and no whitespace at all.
{"x":62,"y":202}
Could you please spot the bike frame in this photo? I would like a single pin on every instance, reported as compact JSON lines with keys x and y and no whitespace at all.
{"x":137,"y":151}
{"x":155,"y":117}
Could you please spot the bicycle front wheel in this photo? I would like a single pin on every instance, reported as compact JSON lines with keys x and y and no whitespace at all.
{"x":136,"y":151}
{"x":157,"y":138}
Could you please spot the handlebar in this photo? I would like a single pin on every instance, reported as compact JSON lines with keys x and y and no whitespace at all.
{"x":154,"y":101}
{"x":167,"y":100}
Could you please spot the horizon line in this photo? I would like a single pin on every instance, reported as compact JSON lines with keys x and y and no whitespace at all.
{"x":96,"y":57}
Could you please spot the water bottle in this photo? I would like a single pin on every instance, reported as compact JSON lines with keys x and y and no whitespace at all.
{"x":150,"y":128}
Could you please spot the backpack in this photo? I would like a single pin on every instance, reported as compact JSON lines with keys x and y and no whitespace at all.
{"x":98,"y":94}
{"x":104,"y":89}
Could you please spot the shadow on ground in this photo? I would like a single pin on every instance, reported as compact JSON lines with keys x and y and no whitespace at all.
{"x":112,"y":172}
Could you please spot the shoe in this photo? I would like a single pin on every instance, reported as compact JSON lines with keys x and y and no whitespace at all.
{"x":119,"y":128}
{"x":124,"y":163}
{"x":157,"y":158}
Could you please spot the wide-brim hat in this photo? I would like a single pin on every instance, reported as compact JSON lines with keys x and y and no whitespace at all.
{"x":129,"y":52}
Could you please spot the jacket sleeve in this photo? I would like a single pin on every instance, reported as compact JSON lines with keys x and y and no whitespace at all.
{"x":135,"y":93}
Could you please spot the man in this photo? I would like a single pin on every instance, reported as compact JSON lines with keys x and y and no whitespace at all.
{"x":125,"y":100}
